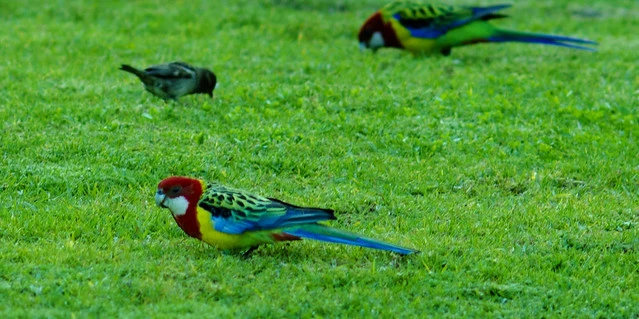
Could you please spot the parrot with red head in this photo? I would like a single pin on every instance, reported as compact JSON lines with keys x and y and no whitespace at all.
{"x":422,"y":28}
{"x":232,"y":220}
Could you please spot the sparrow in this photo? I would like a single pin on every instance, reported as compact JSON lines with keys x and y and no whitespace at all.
{"x":175,"y":79}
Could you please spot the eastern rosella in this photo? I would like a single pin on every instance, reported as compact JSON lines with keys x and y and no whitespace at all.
{"x":423,"y":28}
{"x":175,"y":79}
{"x":231,"y":219}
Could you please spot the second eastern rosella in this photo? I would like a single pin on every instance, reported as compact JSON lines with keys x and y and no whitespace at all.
{"x":231,"y":219}
{"x":433,"y":28}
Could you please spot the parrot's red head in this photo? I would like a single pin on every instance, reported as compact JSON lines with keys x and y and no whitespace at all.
{"x":179,"y":194}
{"x":375,"y":34}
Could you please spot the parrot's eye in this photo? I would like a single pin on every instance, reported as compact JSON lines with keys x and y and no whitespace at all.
{"x":175,"y":190}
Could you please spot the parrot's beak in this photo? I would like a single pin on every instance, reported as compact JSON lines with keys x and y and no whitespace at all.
{"x":160,"y":198}
{"x":362,"y":46}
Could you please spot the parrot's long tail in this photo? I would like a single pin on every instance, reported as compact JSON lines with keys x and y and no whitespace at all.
{"x":325,"y":233}
{"x":516,"y":36}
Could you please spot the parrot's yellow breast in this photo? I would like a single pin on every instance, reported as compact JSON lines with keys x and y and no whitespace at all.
{"x":411,"y":43}
{"x":224,"y":241}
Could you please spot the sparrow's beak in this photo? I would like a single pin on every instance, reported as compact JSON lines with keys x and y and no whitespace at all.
{"x":160,"y":198}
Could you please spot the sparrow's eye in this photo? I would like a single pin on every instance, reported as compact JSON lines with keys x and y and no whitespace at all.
{"x":175,"y":190}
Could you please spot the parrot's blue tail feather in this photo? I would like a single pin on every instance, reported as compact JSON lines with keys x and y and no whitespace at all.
{"x":568,"y":42}
{"x":331,"y":235}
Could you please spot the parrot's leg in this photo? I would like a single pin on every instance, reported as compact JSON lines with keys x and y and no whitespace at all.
{"x":247,"y":253}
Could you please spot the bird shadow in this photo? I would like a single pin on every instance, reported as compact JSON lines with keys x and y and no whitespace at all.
{"x":335,"y":256}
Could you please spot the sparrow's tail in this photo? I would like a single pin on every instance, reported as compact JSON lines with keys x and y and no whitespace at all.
{"x":516,"y":36}
{"x":325,"y":233}
{"x":140,"y":74}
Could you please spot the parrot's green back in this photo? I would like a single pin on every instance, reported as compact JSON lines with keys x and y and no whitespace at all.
{"x":471,"y":33}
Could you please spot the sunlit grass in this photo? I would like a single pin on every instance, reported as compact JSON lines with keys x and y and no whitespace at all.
{"x":513,"y":167}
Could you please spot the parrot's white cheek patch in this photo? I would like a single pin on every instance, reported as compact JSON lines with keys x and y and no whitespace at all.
{"x":377,"y":41}
{"x":177,"y":205}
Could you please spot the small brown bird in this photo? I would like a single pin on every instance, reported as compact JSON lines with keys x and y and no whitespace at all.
{"x":175,"y":79}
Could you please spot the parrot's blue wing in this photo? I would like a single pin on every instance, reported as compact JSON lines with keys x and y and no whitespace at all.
{"x":430,"y":21}
{"x":236,"y":212}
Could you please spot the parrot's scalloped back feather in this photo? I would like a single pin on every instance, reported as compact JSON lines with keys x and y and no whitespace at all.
{"x":236,"y":211}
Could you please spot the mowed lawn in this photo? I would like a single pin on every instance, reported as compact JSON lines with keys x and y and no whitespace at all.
{"x":512,"y":167}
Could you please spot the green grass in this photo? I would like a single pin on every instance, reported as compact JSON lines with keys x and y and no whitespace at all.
{"x":513,"y":168}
